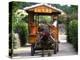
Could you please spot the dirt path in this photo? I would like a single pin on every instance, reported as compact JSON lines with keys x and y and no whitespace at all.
{"x":65,"y":49}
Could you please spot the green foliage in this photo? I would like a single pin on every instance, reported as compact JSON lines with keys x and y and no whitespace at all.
{"x":46,"y":19}
{"x":73,"y":33}
{"x":22,"y":29}
{"x":18,"y":22}
{"x":71,"y":12}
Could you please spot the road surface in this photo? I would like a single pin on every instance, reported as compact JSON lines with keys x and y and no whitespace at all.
{"x":65,"y":49}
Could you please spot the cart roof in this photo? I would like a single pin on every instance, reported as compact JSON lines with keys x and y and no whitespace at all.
{"x":43,"y":8}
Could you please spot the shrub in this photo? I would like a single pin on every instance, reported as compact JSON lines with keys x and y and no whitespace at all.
{"x":22,"y":29}
{"x":73,"y":33}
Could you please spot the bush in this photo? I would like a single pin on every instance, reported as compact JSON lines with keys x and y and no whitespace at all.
{"x":73,"y":33}
{"x":22,"y":29}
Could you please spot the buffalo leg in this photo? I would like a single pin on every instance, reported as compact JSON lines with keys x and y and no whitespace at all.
{"x":32,"y":50}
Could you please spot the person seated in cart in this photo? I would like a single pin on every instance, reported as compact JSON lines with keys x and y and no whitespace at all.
{"x":54,"y":29}
{"x":44,"y":31}
{"x":44,"y":35}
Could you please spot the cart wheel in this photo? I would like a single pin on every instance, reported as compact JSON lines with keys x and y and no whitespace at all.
{"x":32,"y":50}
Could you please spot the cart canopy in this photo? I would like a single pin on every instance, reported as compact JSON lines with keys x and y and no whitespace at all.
{"x":43,"y":8}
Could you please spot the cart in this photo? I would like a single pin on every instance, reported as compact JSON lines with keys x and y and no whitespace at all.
{"x":34,"y":12}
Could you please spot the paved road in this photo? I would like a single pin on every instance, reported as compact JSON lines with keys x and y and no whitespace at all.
{"x":64,"y":50}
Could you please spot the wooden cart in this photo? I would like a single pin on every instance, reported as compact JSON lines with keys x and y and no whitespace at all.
{"x":41,"y":9}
